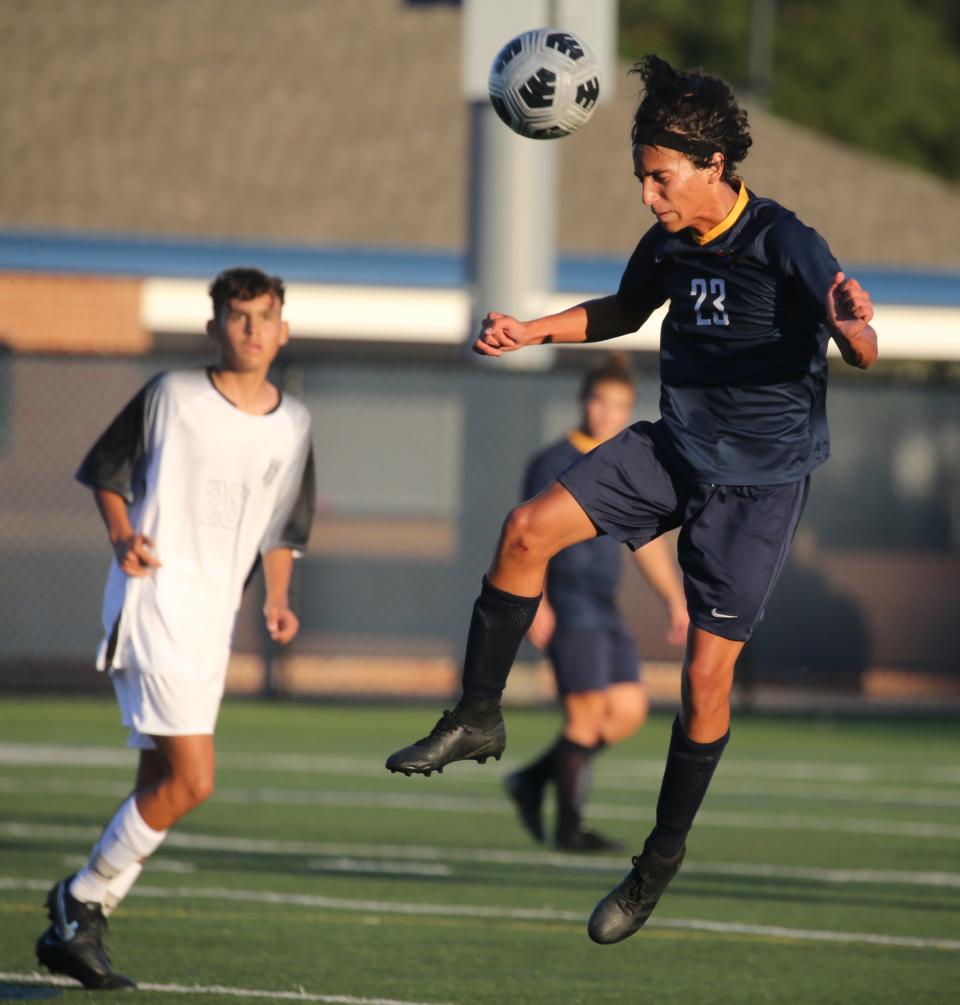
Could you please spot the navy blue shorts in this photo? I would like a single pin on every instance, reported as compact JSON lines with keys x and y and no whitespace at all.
{"x":592,"y":657}
{"x":733,"y":539}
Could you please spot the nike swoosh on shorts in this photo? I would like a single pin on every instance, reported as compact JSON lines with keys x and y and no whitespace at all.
{"x":716,"y":614}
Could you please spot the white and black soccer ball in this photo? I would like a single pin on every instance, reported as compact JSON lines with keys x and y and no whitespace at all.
{"x":545,"y":83}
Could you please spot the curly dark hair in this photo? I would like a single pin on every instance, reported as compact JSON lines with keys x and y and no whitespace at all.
{"x":692,"y":104}
{"x":243,"y":284}
{"x":614,"y":368}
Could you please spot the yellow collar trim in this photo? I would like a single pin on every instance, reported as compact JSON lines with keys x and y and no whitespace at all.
{"x":728,"y":221}
{"x":581,"y":441}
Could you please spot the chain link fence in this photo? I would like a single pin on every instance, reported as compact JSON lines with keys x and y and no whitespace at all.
{"x":418,"y":461}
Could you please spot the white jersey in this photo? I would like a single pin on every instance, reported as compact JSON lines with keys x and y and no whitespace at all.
{"x":213,"y":487}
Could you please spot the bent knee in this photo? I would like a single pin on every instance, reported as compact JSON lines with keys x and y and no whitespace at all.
{"x":526,"y":534}
{"x":707,"y":687}
{"x":195,"y":789}
{"x":585,"y":713}
{"x":632,"y":716}
{"x":625,"y":715}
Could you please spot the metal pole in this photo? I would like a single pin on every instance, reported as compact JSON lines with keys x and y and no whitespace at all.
{"x":512,"y":226}
{"x":762,"y":21}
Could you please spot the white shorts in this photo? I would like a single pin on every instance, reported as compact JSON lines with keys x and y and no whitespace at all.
{"x":176,"y":704}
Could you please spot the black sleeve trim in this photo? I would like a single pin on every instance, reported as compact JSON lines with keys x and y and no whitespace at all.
{"x":113,"y":462}
{"x":296,"y":531}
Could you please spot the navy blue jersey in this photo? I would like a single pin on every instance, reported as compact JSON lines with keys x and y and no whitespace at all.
{"x":582,"y":579}
{"x":743,"y":365}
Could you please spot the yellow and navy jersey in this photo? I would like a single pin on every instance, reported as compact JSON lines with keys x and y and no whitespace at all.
{"x":582,"y":579}
{"x":743,"y":346}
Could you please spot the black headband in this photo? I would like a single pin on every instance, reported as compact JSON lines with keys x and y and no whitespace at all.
{"x":654,"y":136}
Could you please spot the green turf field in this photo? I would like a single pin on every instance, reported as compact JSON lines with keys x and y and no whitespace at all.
{"x":825,"y":867}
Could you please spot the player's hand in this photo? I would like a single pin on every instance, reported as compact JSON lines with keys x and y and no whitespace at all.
{"x":282,"y":623}
{"x":499,"y":333}
{"x":679,"y":624}
{"x":543,"y":626}
{"x":849,"y":309}
{"x":135,"y":555}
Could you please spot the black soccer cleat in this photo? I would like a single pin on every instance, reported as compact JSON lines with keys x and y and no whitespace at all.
{"x":73,"y":944}
{"x":527,"y":796}
{"x":585,"y":839}
{"x":627,"y":906}
{"x":451,"y":740}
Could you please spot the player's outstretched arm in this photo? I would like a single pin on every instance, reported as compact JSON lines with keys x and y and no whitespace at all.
{"x":282,"y":623}
{"x":849,"y":312}
{"x":591,"y":321}
{"x":133,"y":551}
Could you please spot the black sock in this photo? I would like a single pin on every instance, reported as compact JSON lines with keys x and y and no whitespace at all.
{"x":544,"y":768}
{"x":572,"y":774}
{"x":690,"y":767}
{"x":500,"y":621}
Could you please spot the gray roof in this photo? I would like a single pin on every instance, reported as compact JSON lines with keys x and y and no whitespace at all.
{"x":342,"y":122}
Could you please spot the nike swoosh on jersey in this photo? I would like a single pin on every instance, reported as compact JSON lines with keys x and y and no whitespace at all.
{"x":716,"y":614}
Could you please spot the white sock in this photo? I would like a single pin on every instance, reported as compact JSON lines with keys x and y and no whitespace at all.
{"x":119,"y":887}
{"x":128,"y":839}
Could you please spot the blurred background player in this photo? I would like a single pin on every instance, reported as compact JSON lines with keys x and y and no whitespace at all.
{"x":591,"y":650}
{"x":203,"y":474}
{"x":754,"y":296}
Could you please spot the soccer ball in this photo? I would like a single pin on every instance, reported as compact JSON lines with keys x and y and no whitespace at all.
{"x":544,"y":83}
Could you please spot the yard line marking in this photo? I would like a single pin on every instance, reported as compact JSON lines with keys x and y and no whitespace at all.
{"x":265,"y":846}
{"x":807,"y":934}
{"x":379,"y":866}
{"x":638,"y":776}
{"x":84,"y":756}
{"x":876,"y":795}
{"x":299,"y":995}
{"x":502,"y":913}
{"x":722,"y":787}
{"x":158,"y":864}
{"x":944,"y":774}
{"x":466,"y":804}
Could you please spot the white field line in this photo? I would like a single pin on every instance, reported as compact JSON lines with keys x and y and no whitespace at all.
{"x":782,"y":780}
{"x":335,"y":798}
{"x":721,"y":788}
{"x":379,"y":867}
{"x":555,"y":860}
{"x":547,"y":914}
{"x":45,"y":753}
{"x":300,"y":995}
{"x":157,"y":864}
{"x":941,"y":773}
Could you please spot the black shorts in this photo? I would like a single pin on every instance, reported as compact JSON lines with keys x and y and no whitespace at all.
{"x":592,"y":657}
{"x":734,"y":539}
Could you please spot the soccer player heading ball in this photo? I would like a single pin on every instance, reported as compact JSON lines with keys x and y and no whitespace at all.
{"x":201,"y":475}
{"x":754,"y":298}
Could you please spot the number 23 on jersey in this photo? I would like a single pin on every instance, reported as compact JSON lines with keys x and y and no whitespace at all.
{"x":709,"y":298}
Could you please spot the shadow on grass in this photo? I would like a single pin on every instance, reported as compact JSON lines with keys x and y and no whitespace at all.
{"x":25,"y":992}
{"x":464,"y":877}
{"x":800,"y":892}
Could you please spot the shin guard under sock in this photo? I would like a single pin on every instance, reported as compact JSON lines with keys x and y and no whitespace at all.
{"x":690,"y":766}
{"x":499,"y":622}
{"x":127,"y":839}
{"x":572,"y":773}
{"x":120,"y":886}
{"x":544,"y":768}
